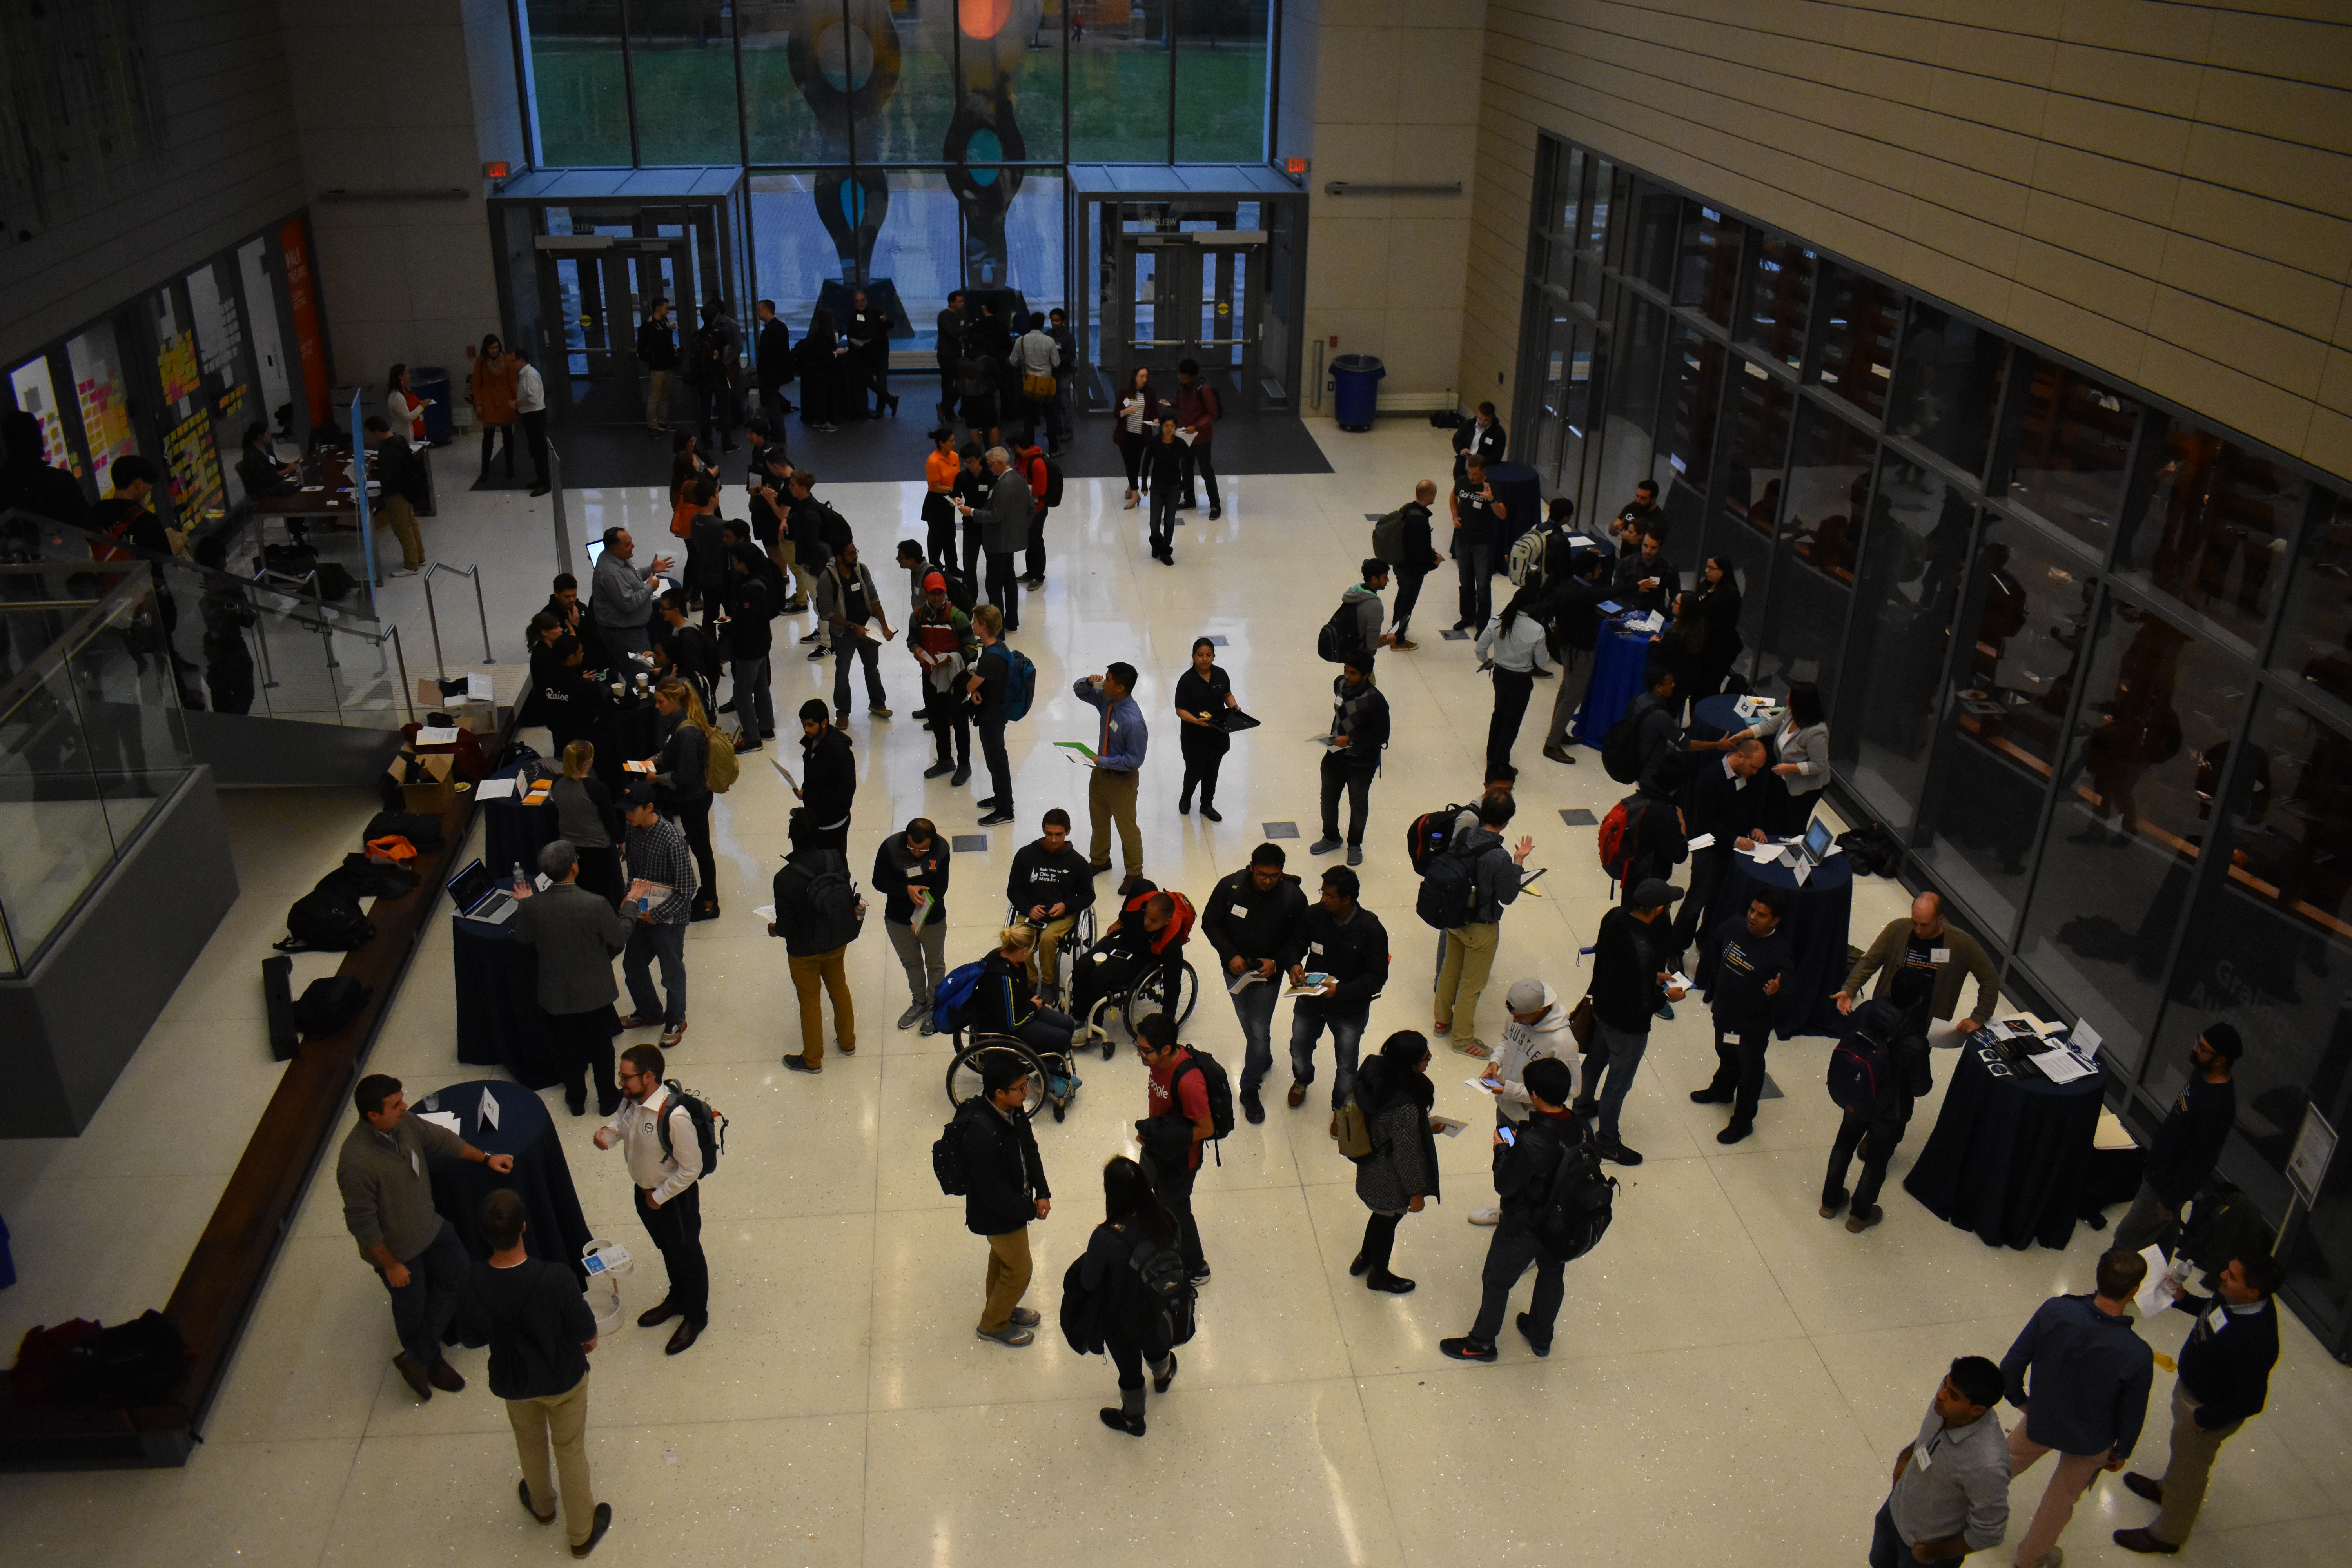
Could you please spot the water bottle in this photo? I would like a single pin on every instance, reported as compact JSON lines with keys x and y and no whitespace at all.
{"x":520,"y":881}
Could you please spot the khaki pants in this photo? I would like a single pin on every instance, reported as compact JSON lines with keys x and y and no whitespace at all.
{"x":787,"y":557}
{"x":559,"y":1421}
{"x":2076,"y":1471}
{"x":402,"y":518}
{"x":828,"y":969}
{"x":657,"y":399}
{"x":1111,"y":798}
{"x":1469,"y":959}
{"x":1045,"y":961}
{"x":2194,"y":1449}
{"x":1008,"y":1278}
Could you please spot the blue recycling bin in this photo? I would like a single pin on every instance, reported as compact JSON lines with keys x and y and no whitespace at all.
{"x":1355,"y":389}
{"x":432,"y":382}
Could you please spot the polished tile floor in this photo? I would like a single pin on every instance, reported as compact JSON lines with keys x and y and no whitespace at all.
{"x":1732,"y":1375}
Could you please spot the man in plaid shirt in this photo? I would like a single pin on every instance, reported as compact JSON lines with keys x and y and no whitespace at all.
{"x":658,"y":855}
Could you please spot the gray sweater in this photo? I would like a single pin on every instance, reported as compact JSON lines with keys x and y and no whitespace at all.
{"x":578,"y":935}
{"x":1956,"y":1483}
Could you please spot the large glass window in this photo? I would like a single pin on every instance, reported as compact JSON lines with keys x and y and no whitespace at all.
{"x":1605,"y":179}
{"x":1948,"y":387}
{"x":794,"y":108}
{"x":1710,"y":274}
{"x":1827,"y":503}
{"x":2216,"y":529}
{"x":1780,"y":298}
{"x":1686,"y":445}
{"x":1568,"y":193}
{"x":1910,"y":580}
{"x":2316,"y":632}
{"x":1656,"y":227}
{"x":2128,"y":823}
{"x":1754,"y":475}
{"x":1632,"y":396}
{"x":1119,"y":94}
{"x":2072,"y":451}
{"x":579,"y":91}
{"x":1859,"y":319}
{"x":1220,"y":81}
{"x":682,"y":70}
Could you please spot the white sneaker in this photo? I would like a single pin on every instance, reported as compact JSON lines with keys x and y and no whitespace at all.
{"x":1485,"y":1217}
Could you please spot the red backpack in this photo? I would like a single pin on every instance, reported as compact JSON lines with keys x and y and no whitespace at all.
{"x":1620,"y":832}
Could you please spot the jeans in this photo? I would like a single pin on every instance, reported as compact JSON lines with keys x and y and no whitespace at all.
{"x":951,"y":727}
{"x":1575,"y":679}
{"x":1511,"y":689}
{"x":421,"y":1308}
{"x":1253,"y":1005}
{"x":755,"y":701}
{"x":1408,"y":596}
{"x":647,"y":942}
{"x":677,"y":1230}
{"x":1474,"y":563}
{"x":1508,"y":1257}
{"x":845,"y":649}
{"x":1877,"y":1137}
{"x":2146,"y":1223}
{"x":1706,"y":870}
{"x":1886,"y":1548}
{"x":1000,"y":768}
{"x":1048,"y":1033}
{"x":559,"y":1422}
{"x":1048,"y":412}
{"x":1173,"y":1184}
{"x":1308,"y":1021}
{"x":827,"y":971}
{"x":712,"y":409}
{"x":922,"y":955}
{"x":1339,"y":774}
{"x":1739,"y":1069}
{"x":1617,"y":1056}
{"x":1199,"y":458}
{"x":1162,"y":517}
{"x":1003,"y":589}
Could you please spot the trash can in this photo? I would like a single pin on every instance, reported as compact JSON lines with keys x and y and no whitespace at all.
{"x":431,"y":382}
{"x":1355,"y":388}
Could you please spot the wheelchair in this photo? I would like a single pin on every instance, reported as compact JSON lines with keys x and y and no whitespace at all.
{"x":1046,"y":1071}
{"x":1156,"y":992}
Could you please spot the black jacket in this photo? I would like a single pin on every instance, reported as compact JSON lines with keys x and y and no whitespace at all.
{"x":658,"y":345}
{"x":1001,"y":1169}
{"x":1043,"y":879}
{"x":898,"y":872}
{"x":1356,"y":955}
{"x":1005,"y":998}
{"x":790,"y":890}
{"x":1744,"y":965}
{"x":1711,"y":804}
{"x":2228,"y":1372}
{"x":1654,"y":729}
{"x":399,"y":471}
{"x":1363,"y":719}
{"x":1419,"y":554}
{"x":537,"y":1322}
{"x":1242,"y":922}
{"x":829,"y":777}
{"x":749,"y":610}
{"x":679,"y":766}
{"x":774,"y":349}
{"x":1625,"y":964}
{"x":1631,"y":571}
{"x":1574,"y":610}
{"x":1523,"y":1168}
{"x":1659,"y":844}
{"x":2181,"y":1154}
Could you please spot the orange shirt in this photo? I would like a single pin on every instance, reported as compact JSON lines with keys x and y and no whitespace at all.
{"x":941,"y":468}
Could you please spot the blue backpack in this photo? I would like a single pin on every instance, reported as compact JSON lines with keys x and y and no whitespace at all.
{"x":956,"y":1000}
{"x":1020,"y":684}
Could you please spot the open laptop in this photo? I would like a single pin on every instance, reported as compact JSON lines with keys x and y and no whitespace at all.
{"x":1814,"y":847}
{"x":480,"y":896}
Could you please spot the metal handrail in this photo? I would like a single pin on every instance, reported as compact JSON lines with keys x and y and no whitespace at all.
{"x":434,"y":617}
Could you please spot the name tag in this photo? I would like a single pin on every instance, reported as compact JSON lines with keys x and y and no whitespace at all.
{"x":1240,"y":913}
{"x":1730,"y":1036}
{"x":1315,"y":947}
{"x":1923,"y":1458}
{"x":2216,"y":1320}
{"x":1940,"y":956}
{"x":415,"y":1162}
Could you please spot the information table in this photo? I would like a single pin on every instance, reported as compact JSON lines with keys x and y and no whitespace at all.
{"x":1619,"y":660}
{"x":540,"y":1178}
{"x":499,"y":1024}
{"x":2009,"y":1151}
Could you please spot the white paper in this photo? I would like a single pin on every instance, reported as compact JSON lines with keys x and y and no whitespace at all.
{"x":436,"y":735}
{"x":2084,"y":1038}
{"x":1487,"y":1084}
{"x":1802,"y":870}
{"x":1703,"y":841}
{"x":494,"y":789}
{"x":2153,"y":1297}
{"x":1243,"y":982}
{"x":1683,"y":981}
{"x":2063,"y":1066}
{"x":1762,"y":853}
{"x":1579,"y":542}
{"x":488,"y":1114}
{"x":477,"y":687}
{"x":786,"y":773}
{"x":1449,"y":1126}
{"x":767,"y":913}
{"x":443,"y":1119}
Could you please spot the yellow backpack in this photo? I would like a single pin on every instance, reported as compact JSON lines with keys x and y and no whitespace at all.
{"x":719,"y":770}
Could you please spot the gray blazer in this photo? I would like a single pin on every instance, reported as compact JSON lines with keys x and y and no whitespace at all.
{"x":578,"y":935}
{"x":1010,"y":506}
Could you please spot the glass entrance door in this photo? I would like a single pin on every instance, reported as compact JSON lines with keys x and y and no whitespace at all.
{"x":1184,"y":284}
{"x":602,"y":297}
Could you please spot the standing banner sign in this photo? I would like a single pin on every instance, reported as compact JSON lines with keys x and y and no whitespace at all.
{"x":308,"y":340}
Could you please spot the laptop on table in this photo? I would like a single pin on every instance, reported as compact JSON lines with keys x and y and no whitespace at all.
{"x":479,"y":895}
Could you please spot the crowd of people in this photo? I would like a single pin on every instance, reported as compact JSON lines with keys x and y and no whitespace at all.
{"x":1559,"y":1071}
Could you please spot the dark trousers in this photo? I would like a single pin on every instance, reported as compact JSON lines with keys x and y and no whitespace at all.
{"x":1203,"y":757}
{"x":1198,"y":458}
{"x":677,"y":1229}
{"x":1253,"y":1005}
{"x":534,"y":440}
{"x":972,"y":551}
{"x":646,"y":943}
{"x":1130,"y":453}
{"x":755,"y":702}
{"x":1339,"y":774}
{"x":1036,"y":562}
{"x":1173,"y":1184}
{"x":846,"y":650}
{"x":1163,"y":521}
{"x":1513,"y":1247}
{"x":1474,"y":563}
{"x":1000,"y":768}
{"x":1511,"y":689}
{"x":1740,"y":1070}
{"x":1107,"y":972}
{"x":711,"y":409}
{"x":230,"y":681}
{"x":773,"y":404}
{"x":421,"y":1308}
{"x":951,"y":727}
{"x":1877,"y":1137}
{"x":600,"y":872}
{"x":1408,"y":596}
{"x":693,"y":821}
{"x":1049,"y":410}
{"x":1886,"y":1548}
{"x":1380,"y":1244}
{"x":587,"y":1042}
{"x":1307,"y":1022}
{"x":1706,"y":870}
{"x":949,"y":386}
{"x":491,"y":433}
{"x":1002,"y":591}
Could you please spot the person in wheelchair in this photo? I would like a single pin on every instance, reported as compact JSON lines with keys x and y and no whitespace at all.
{"x":1050,"y":888}
{"x":1005,"y":1001}
{"x":1149,"y":934}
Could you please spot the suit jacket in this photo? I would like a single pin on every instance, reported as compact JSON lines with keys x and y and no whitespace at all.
{"x":1005,"y":527}
{"x":578,"y":935}
{"x":1886,"y":956}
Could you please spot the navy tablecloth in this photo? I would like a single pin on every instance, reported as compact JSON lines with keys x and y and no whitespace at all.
{"x":1713,"y":718}
{"x":1819,"y":919}
{"x":1619,"y":660}
{"x":1521,"y":490}
{"x":2009,"y":1154}
{"x":540,"y":1178}
{"x":512,"y":833}
{"x":498,"y":1021}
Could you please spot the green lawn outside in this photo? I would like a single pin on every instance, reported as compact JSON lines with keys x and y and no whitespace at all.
{"x":686,"y":98}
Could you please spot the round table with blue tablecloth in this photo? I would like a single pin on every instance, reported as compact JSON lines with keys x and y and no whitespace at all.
{"x":1818,"y":917}
{"x":499,"y":1023}
{"x":541,"y":1176}
{"x":512,"y":833}
{"x":2009,"y":1152}
{"x":1620,"y":661}
{"x":1713,"y":718}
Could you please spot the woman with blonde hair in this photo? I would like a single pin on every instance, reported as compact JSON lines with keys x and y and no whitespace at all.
{"x":585,"y":815}
{"x":681,"y":789}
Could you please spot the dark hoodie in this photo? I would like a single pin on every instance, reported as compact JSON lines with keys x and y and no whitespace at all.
{"x":1240,"y":922}
{"x":898,"y":871}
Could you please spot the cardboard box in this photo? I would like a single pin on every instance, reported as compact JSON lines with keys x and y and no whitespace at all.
{"x":434,"y":796}
{"x":481,"y":718}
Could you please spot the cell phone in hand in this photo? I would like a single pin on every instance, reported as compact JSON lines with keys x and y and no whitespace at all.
{"x":1509,"y":1138}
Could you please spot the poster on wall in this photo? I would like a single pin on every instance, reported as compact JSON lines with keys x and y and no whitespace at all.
{"x":38,"y":397}
{"x":308,"y":340}
{"x":220,"y":342}
{"x":192,"y":469}
{"x":268,"y":349}
{"x":96,"y":374}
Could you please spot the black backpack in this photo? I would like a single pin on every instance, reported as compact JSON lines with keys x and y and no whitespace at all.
{"x":376,"y":878}
{"x":962,"y":595}
{"x":1166,"y":1289}
{"x":1861,"y":1073}
{"x":278,"y":1006}
{"x":138,"y":1363}
{"x":1219,"y":1085}
{"x":1449,"y":890}
{"x":947,"y":1153}
{"x":706,"y":355}
{"x":326,"y":919}
{"x":1426,"y":837}
{"x":833,"y":913}
{"x":1338,"y":638}
{"x":422,"y":831}
{"x":1577,"y":1203}
{"x":1620,"y":748}
{"x":326,"y":1003}
{"x":710,"y":1126}
{"x":1053,"y":480}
